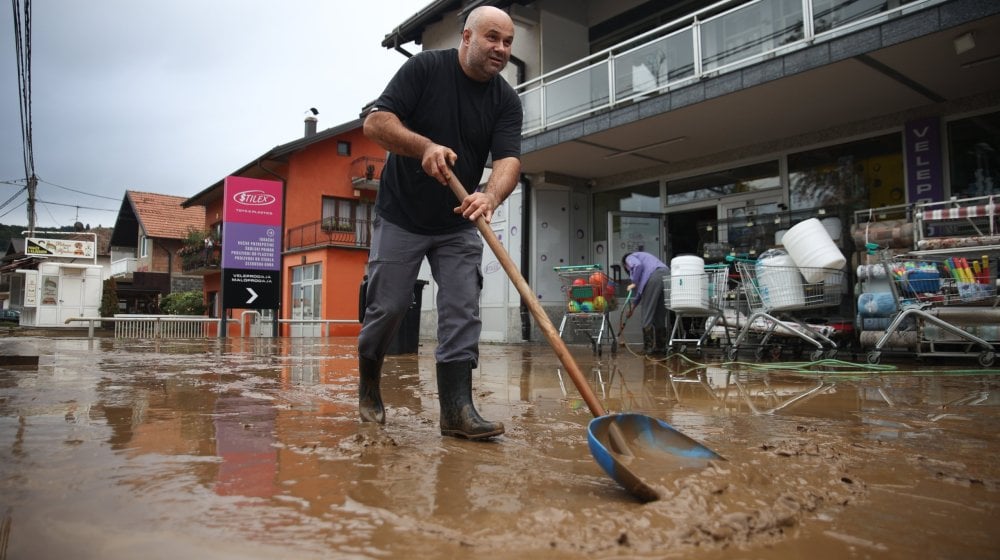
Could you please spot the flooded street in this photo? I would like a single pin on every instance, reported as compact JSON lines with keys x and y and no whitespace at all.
{"x":251,"y":448}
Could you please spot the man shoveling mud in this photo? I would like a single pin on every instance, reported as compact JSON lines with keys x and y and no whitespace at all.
{"x":444,"y":111}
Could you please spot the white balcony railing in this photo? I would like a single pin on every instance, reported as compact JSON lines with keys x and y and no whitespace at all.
{"x":123,"y":267}
{"x":719,"y":38}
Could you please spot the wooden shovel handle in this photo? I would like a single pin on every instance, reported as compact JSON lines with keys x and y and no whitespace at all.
{"x":528,"y":295}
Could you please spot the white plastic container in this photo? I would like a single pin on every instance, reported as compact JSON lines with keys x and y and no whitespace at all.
{"x":688,"y":284}
{"x":780,"y":283}
{"x":833,"y":227}
{"x":811,"y":247}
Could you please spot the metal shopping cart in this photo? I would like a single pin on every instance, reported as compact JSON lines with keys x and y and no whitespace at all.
{"x":942,"y":292}
{"x":698,"y":295}
{"x":774,"y":293}
{"x":590,"y":298}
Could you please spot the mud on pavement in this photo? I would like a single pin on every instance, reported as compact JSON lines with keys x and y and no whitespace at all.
{"x":252,"y":449}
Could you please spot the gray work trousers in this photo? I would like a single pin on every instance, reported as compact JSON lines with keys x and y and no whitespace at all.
{"x":652,"y":304}
{"x":393,"y":264}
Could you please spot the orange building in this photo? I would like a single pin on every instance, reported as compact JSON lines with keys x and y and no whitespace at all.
{"x":329,"y":179}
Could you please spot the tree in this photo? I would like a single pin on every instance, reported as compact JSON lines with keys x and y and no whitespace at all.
{"x":109,"y":299}
{"x":183,"y":303}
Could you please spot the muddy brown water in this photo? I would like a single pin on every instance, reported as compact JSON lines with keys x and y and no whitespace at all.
{"x":252,"y":449}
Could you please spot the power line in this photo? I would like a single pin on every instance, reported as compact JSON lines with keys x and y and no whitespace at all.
{"x":54,"y":220}
{"x":22,"y":48}
{"x":76,"y":206}
{"x":23,"y":202}
{"x":11,"y":199}
{"x":79,"y":191}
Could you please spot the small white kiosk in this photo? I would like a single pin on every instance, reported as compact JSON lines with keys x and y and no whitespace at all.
{"x":58,"y":290}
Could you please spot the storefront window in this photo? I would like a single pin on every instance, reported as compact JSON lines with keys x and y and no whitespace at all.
{"x":857,"y":175}
{"x":638,"y":198}
{"x":50,"y":290}
{"x":749,"y":178}
{"x":974,"y":152}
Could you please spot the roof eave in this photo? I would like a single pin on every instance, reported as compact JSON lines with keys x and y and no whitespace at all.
{"x":276,"y":154}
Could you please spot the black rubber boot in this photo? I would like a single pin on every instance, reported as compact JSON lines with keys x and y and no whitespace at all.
{"x":648,"y":340}
{"x":369,"y":395}
{"x":660,"y":342}
{"x":458,"y":414}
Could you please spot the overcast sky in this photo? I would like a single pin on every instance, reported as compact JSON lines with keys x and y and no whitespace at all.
{"x":172,"y":96}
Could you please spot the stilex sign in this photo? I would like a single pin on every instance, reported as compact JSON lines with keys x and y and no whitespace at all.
{"x":251,"y":243}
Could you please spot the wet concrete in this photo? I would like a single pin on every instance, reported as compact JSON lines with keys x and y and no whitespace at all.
{"x":252,"y":449}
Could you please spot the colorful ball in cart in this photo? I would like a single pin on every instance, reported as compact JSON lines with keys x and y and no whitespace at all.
{"x":600,"y":304}
{"x":573,"y":306}
{"x":587,"y":307}
{"x":599,"y":281}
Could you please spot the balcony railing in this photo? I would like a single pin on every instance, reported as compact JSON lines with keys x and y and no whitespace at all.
{"x":716,"y":39}
{"x":201,"y":260}
{"x":366,"y":172}
{"x":330,"y":232}
{"x":123,"y":267}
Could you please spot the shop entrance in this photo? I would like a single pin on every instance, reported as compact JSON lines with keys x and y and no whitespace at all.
{"x":683,"y":234}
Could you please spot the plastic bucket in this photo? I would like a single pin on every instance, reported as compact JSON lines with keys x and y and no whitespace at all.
{"x":812,"y":249}
{"x":833,"y":227}
{"x":779,"y":283}
{"x":688,"y":284}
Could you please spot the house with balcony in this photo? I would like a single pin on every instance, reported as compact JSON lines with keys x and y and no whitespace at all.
{"x":148,"y":246}
{"x":329,"y":180}
{"x":709,"y":128}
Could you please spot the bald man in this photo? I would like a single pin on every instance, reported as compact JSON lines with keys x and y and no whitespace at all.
{"x":445,"y":111}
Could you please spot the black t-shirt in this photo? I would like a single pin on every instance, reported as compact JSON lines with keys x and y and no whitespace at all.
{"x":433,"y":97}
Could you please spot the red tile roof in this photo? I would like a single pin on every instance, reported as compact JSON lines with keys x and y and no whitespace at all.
{"x":103,"y":239}
{"x":161,"y":215}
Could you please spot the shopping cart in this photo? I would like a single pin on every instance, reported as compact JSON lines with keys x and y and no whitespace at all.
{"x":774,"y":293}
{"x":941,"y":292}
{"x":590,"y":298}
{"x":697,"y":295}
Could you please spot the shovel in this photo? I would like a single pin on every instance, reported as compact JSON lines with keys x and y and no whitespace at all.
{"x":624,"y":445}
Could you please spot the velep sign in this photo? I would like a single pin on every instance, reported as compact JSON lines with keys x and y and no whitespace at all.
{"x":251,"y":243}
{"x":924,"y":180}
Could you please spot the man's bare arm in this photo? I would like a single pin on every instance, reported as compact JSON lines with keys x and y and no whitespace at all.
{"x":503,"y":180}
{"x":386,"y":130}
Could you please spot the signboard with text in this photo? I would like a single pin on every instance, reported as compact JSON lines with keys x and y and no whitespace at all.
{"x":251,"y":243}
{"x":250,"y":289}
{"x":924,"y":165}
{"x":71,"y":248}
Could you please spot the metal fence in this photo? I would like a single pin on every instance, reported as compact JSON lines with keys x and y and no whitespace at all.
{"x":128,"y":326}
{"x":154,"y":326}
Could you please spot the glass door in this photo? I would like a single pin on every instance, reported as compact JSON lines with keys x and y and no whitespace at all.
{"x":749,"y":226}
{"x":629,"y":232}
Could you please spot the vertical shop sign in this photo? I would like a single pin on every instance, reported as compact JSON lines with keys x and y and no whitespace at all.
{"x":922,"y":145}
{"x":251,"y":243}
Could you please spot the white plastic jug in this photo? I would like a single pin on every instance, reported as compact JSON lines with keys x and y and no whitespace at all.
{"x":811,"y":247}
{"x":779,"y":283}
{"x":688,"y":284}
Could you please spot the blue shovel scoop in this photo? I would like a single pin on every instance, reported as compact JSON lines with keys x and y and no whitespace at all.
{"x":629,"y":447}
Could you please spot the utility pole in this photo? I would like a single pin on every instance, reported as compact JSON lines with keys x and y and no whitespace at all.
{"x":32,"y":185}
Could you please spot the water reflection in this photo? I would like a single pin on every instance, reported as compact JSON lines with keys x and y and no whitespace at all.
{"x":257,"y":441}
{"x":245,"y":436}
{"x":668,"y":388}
